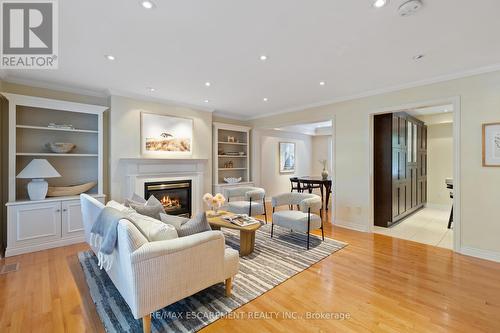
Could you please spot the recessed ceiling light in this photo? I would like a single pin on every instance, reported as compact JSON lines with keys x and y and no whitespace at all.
{"x":206,"y":101}
{"x":263,"y":57}
{"x":418,"y":57}
{"x":322,"y":83}
{"x":208,"y":84}
{"x":109,"y":57}
{"x":151,"y":89}
{"x":380,"y":3}
{"x":265,"y":99}
{"x":147,"y":4}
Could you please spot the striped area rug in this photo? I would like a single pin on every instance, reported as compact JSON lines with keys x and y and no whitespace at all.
{"x":273,"y":262}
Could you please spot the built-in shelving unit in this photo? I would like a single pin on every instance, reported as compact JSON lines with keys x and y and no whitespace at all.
{"x":54,"y":221}
{"x":29,"y":134}
{"x":231,"y":155}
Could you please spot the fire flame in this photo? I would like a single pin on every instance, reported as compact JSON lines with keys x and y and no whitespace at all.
{"x":166,"y":201}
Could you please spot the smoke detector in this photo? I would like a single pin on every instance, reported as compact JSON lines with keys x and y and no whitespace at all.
{"x":410,"y":7}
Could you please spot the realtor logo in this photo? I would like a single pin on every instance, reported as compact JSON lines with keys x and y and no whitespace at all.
{"x":29,"y":34}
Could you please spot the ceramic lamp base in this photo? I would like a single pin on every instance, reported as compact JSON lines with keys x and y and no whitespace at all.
{"x":37,"y":189}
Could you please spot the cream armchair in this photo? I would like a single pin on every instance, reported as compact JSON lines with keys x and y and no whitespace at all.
{"x":302,"y":220}
{"x":250,"y":200}
{"x":152,"y":275}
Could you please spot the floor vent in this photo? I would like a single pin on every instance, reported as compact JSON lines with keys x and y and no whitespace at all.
{"x":4,"y":269}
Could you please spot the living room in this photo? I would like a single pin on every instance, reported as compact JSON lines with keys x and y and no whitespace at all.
{"x":232,"y":186}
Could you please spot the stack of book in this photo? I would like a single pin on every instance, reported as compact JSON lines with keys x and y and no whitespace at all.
{"x":242,"y":220}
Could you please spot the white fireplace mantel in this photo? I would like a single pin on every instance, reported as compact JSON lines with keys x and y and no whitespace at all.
{"x":138,"y":171}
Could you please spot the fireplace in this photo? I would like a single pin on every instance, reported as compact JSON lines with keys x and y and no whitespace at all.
{"x":174,"y":195}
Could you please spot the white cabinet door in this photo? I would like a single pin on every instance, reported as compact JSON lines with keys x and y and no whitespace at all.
{"x":35,"y":223}
{"x":72,"y":221}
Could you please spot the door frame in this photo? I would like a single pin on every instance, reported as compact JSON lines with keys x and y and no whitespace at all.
{"x":456,"y":102}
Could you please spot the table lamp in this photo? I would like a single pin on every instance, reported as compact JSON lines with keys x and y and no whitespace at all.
{"x":37,"y":170}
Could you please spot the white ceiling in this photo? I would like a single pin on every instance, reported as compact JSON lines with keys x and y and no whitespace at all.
{"x":319,"y":128}
{"x":181,"y":44}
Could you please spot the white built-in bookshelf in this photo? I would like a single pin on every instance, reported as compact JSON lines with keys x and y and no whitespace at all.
{"x":54,"y":221}
{"x":231,"y":155}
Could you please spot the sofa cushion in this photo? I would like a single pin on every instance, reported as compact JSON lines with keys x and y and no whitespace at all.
{"x":176,"y":221}
{"x":154,"y":230}
{"x":136,"y":199}
{"x":296,"y":220}
{"x":242,"y":207}
{"x":118,"y":206}
{"x":152,"y":208}
{"x":186,"y":227}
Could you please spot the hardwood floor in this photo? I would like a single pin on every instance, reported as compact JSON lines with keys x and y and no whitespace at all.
{"x":384,"y":284}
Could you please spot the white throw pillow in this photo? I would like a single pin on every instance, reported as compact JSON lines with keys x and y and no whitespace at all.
{"x":120,"y":207}
{"x":153,"y":229}
{"x":176,"y":221}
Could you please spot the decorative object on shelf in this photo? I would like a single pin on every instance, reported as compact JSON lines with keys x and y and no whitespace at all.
{"x":37,"y":170}
{"x":61,"y":147}
{"x":287,"y":157}
{"x":324,"y":173}
{"x":230,"y":139}
{"x":232,"y":180}
{"x":491,"y":145}
{"x":228,"y":165}
{"x":61,"y":191}
{"x":214,"y":202}
{"x":61,"y":126}
{"x":166,"y":135}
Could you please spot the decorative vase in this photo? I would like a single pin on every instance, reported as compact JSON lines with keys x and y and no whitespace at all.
{"x":324,"y":173}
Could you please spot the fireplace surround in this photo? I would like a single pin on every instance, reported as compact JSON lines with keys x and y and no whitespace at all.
{"x":175,"y":195}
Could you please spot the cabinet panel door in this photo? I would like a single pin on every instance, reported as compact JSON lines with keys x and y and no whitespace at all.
{"x":72,"y":221}
{"x":35,"y":223}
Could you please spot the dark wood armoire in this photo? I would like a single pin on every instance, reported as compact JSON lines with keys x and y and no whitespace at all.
{"x":400,"y":167}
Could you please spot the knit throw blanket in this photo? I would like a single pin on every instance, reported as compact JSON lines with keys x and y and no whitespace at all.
{"x":104,"y":234}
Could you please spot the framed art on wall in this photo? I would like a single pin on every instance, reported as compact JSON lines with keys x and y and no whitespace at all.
{"x":287,"y":157}
{"x":166,"y":135}
{"x":491,"y":145}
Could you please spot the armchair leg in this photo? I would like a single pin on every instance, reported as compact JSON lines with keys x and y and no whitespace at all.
{"x":308,"y":225}
{"x":265,"y":209}
{"x":229,"y":286}
{"x":308,"y":240}
{"x":146,"y":323}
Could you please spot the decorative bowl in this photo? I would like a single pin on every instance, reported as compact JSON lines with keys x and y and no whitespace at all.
{"x":61,"y":147}
{"x":232,"y":180}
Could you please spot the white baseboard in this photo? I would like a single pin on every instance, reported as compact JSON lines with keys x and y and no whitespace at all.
{"x":351,"y":225}
{"x":480,"y":253}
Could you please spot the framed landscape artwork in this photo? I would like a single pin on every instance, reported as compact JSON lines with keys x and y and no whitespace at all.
{"x":287,"y":157}
{"x":166,"y":135}
{"x":491,"y":145}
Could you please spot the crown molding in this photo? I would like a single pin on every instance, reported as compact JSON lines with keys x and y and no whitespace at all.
{"x":53,"y":86}
{"x":381,"y":91}
{"x":122,"y":93}
{"x":230,"y":115}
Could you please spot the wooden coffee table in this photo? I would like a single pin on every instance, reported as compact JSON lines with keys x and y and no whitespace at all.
{"x":247,"y":234}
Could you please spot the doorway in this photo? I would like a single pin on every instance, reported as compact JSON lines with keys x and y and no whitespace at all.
{"x":422,"y":169}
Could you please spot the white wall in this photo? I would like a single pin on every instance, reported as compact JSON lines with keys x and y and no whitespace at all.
{"x":439,"y":163}
{"x":266,"y":146}
{"x":321,"y":150}
{"x":480,"y":103}
{"x":125,"y":136}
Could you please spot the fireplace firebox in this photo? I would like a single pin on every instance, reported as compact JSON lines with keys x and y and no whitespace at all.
{"x":174,"y":195}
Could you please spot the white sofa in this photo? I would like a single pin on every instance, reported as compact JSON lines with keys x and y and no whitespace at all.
{"x":152,"y":275}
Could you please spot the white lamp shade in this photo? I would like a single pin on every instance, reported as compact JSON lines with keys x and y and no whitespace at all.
{"x":39,"y":168}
